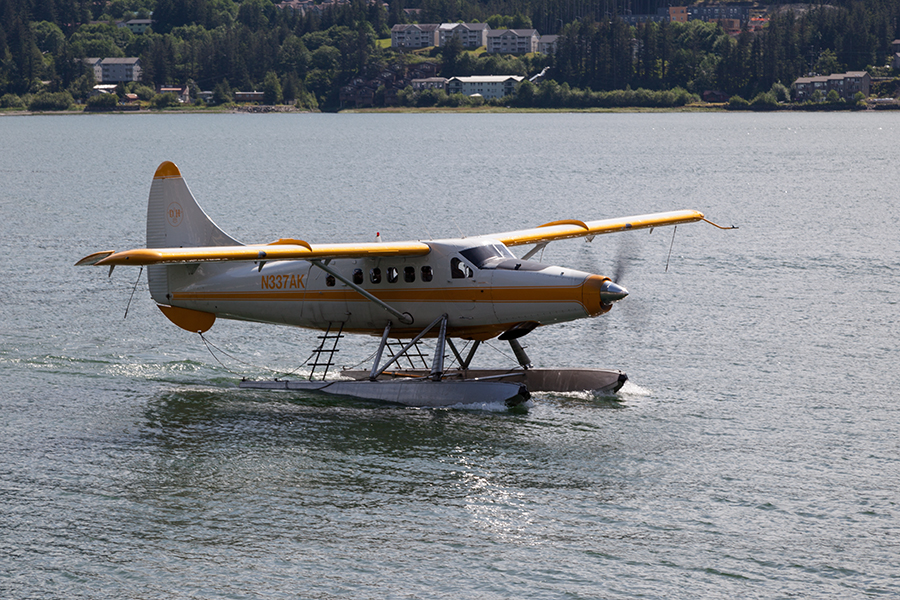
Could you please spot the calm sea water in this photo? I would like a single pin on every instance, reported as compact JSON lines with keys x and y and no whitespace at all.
{"x":754,"y":453}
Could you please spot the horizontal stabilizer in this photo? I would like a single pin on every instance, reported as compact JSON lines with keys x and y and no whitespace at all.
{"x":93,"y":259}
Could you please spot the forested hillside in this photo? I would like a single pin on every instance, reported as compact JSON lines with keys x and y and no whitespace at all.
{"x":253,"y":44}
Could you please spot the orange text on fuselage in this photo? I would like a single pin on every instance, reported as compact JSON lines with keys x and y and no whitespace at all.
{"x":282,"y":282}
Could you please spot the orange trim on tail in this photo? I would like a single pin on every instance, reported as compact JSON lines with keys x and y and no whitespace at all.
{"x":167,"y":170}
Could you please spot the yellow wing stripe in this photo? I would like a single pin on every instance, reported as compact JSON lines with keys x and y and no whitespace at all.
{"x":286,"y":251}
{"x":561,"y":230}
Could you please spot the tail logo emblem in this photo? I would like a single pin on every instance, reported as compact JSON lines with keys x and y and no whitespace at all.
{"x":175,"y":214}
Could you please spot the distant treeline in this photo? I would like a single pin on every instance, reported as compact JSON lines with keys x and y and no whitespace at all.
{"x":227,"y":45}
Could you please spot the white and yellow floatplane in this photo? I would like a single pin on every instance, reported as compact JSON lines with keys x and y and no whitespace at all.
{"x":472,"y":289}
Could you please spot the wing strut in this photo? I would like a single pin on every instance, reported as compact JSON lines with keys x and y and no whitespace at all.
{"x":404,"y":318}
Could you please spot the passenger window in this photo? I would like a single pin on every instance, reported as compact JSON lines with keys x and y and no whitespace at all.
{"x":392,"y":275}
{"x":409,"y":274}
{"x":427,"y":274}
{"x":375,"y":275}
{"x":357,"y":276}
{"x":459,"y":269}
{"x":329,"y":281}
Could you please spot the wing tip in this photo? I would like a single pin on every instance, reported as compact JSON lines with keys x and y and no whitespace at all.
{"x":94,"y":258}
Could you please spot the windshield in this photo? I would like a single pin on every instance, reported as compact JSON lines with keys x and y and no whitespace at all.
{"x":481,"y":256}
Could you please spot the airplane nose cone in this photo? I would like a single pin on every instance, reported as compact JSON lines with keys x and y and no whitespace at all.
{"x":611,"y":292}
{"x":598,"y":294}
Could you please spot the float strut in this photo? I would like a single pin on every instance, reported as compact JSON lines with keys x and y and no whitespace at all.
{"x":520,"y":354}
{"x":403,"y":350}
{"x":380,"y":351}
{"x":437,"y":365}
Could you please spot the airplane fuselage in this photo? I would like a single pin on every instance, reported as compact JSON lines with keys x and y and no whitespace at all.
{"x":482,"y":287}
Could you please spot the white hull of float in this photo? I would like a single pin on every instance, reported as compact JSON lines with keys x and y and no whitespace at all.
{"x":601,"y":381}
{"x":409,"y":392}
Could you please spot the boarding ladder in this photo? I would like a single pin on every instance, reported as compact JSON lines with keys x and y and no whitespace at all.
{"x":318,"y":360}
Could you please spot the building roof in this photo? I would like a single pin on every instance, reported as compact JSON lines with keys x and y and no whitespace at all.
{"x":469,"y":26}
{"x":121,"y":61}
{"x":516,"y":32}
{"x":487,"y":78}
{"x":420,"y":26}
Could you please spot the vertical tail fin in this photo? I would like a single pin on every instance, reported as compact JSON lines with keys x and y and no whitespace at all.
{"x":175,"y":220}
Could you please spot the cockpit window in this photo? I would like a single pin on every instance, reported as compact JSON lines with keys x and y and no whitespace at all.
{"x":459,"y":269}
{"x":481,"y":256}
{"x":516,"y":264}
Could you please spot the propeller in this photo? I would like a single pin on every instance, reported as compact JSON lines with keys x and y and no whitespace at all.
{"x":624,"y":256}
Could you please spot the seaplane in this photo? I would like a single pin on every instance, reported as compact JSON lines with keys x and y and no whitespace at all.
{"x":470,"y":289}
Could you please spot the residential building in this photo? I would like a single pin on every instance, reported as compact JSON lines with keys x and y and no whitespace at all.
{"x":471,"y":35}
{"x":845,"y":84}
{"x":430,"y":83}
{"x":414,"y":36}
{"x":678,"y":14}
{"x":486,"y":86}
{"x":249,"y":96}
{"x":512,"y":41}
{"x":104,"y":88}
{"x":119,"y":69}
{"x":716,"y":12}
{"x":137,"y":26}
{"x":547,"y":44}
{"x":662,"y":14}
{"x":93,"y":64}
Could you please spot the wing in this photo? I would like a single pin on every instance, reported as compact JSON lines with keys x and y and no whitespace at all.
{"x":291,"y":249}
{"x":561,"y":230}
{"x":281,"y":250}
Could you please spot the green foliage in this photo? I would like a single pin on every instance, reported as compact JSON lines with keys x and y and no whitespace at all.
{"x":48,"y":36}
{"x":272,"y":93}
{"x":781,"y":93}
{"x":833,"y":97}
{"x":326,"y":58}
{"x":161,"y":101}
{"x":737,"y":103}
{"x":11,"y":101}
{"x":222,"y":93}
{"x":763,"y":101}
{"x":101,"y":40}
{"x":143,"y":92}
{"x":83,"y":86}
{"x":51,"y":101}
{"x":828,"y":63}
{"x":516,"y":21}
{"x":244,"y":40}
{"x":102,"y":102}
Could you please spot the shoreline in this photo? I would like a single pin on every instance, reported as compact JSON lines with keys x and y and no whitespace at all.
{"x":285,"y":109}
